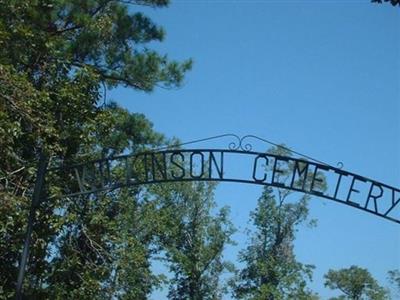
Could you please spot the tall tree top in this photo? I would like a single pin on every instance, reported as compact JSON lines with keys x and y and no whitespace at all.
{"x":56,"y":54}
{"x":355,"y":283}
{"x":53,"y":38}
{"x":393,"y":2}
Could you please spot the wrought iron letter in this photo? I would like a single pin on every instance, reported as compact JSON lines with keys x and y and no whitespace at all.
{"x":157,"y":166}
{"x":255,"y":167}
{"x":177,"y":164}
{"x":338,"y":182}
{"x":276,"y":170}
{"x":192,"y":164}
{"x":300,"y":173}
{"x":374,"y":196}
{"x":212,"y":161}
{"x":394,"y":202}
{"x":316,"y":178}
{"x":352,"y":189}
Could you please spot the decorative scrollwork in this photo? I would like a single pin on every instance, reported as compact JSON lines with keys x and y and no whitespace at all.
{"x":245,"y":146}
{"x":242,"y":144}
{"x":234,"y":145}
{"x":248,"y":147}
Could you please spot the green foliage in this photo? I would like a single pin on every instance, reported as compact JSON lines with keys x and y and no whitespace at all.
{"x":90,"y":247}
{"x":393,"y":2}
{"x":355,"y":283}
{"x":55,"y":57}
{"x":195,"y":240}
{"x":51,"y":39}
{"x":394,"y":278}
{"x":271,"y":270}
{"x":108,"y":251}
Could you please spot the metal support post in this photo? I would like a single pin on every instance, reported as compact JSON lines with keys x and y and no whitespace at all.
{"x":40,"y":174}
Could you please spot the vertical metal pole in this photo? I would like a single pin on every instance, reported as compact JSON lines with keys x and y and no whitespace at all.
{"x":41,"y":171}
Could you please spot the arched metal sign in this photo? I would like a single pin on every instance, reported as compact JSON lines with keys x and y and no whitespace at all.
{"x":268,"y":169}
{"x":237,"y":163}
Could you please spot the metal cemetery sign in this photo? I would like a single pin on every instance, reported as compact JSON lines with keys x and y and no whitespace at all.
{"x":238,"y":163}
{"x":235,"y":164}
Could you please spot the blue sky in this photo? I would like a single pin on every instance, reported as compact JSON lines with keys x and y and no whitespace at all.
{"x":322,"y":77}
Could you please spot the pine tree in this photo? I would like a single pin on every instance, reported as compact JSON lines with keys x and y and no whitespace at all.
{"x":56,"y":57}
